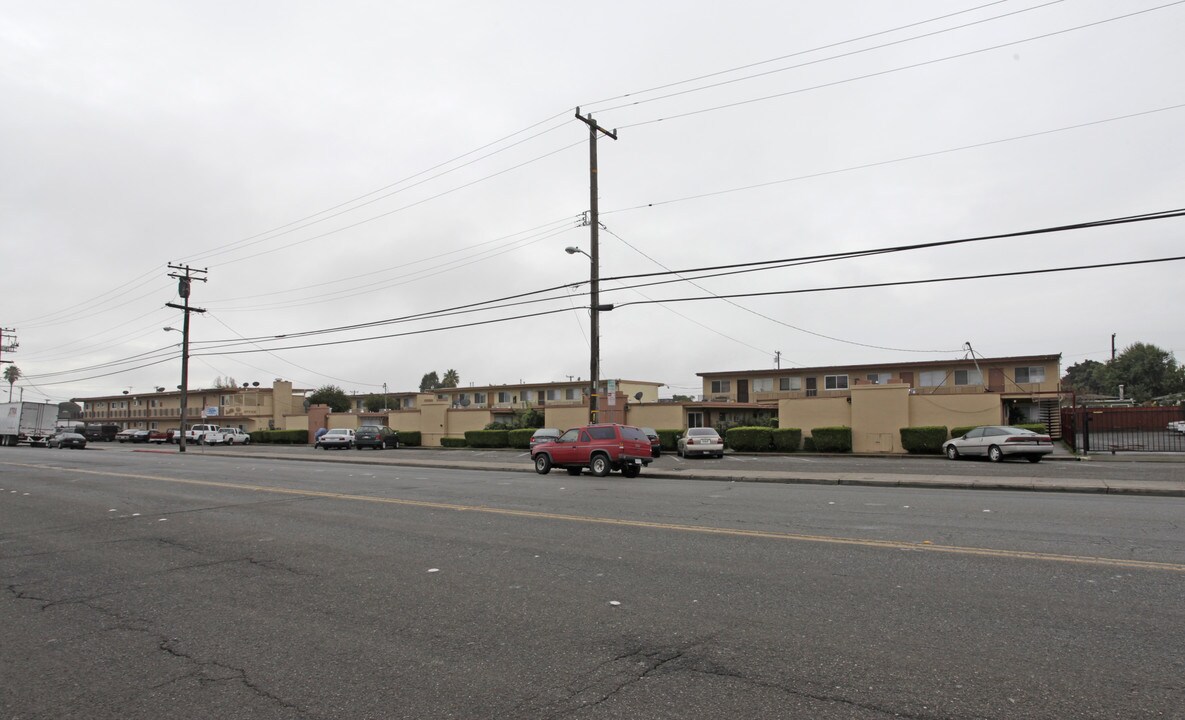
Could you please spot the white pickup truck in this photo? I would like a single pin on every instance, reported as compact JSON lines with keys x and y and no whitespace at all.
{"x":196,"y":434}
{"x":226,"y":436}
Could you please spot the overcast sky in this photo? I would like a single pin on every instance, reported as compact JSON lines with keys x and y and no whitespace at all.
{"x":351,"y":162}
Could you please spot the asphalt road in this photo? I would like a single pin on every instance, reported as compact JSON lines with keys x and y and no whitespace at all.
{"x":142,"y":585}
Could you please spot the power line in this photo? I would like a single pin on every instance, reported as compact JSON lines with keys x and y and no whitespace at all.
{"x":901,"y":68}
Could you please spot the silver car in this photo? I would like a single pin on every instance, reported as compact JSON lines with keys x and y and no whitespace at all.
{"x":700,"y":441}
{"x":998,"y":442}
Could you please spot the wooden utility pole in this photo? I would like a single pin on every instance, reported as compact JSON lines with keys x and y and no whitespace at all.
{"x":594,"y":224}
{"x":183,"y":286}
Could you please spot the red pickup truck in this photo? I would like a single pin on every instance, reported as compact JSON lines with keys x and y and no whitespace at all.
{"x":600,"y":448}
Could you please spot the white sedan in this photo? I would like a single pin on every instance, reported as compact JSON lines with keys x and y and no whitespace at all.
{"x":998,"y":442}
{"x":700,"y":441}
{"x":342,"y":439}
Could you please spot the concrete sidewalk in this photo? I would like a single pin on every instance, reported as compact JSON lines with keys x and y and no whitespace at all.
{"x":1163,"y":488}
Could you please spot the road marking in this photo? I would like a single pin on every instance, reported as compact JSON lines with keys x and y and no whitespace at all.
{"x":592,"y":519}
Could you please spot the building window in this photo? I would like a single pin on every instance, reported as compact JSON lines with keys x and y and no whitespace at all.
{"x":763,"y":385}
{"x":695,"y":419}
{"x":835,"y":382}
{"x":1034,"y":374}
{"x":570,"y":394}
{"x":879,"y":378}
{"x":932,"y":378}
{"x":721,"y":386}
{"x":968,"y":377}
{"x":790,"y":383}
{"x":503,"y":397}
{"x":479,"y":398}
{"x":553,"y":394}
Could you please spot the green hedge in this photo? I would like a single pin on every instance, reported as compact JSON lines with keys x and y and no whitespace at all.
{"x":410,"y":438}
{"x":961,"y":430}
{"x":925,"y":440}
{"x":487,"y":438}
{"x":280,"y":437}
{"x":669,"y":439}
{"x":832,"y":439}
{"x":749,"y":439}
{"x":520,"y":438}
{"x":787,"y":439}
{"x":452,"y":442}
{"x":808,"y":444}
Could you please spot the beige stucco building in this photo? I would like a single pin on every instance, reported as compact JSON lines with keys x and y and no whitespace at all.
{"x":877,"y":400}
{"x":247,"y":408}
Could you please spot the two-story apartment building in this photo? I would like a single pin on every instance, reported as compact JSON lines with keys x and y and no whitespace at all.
{"x":970,"y":391}
{"x":249,"y":408}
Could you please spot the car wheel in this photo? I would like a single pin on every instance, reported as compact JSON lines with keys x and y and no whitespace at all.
{"x":599,"y":465}
{"x":631,"y":470}
{"x":1034,"y":458}
{"x":719,"y":456}
{"x":995,"y":454}
{"x":952,"y":452}
{"x":542,"y":464}
{"x":573,"y":471}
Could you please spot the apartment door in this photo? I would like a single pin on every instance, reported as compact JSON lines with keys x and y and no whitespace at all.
{"x":995,"y":380}
{"x":812,"y":387}
{"x":743,"y":391}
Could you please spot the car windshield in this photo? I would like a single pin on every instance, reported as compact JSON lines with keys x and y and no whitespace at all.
{"x":701,"y":432}
{"x":633,"y":433}
{"x":546,"y":432}
{"x":369,"y":429}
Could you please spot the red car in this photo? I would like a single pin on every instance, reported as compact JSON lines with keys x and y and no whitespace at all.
{"x":601,"y":448}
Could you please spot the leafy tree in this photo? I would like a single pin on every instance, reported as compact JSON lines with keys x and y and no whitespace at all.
{"x":1090,"y":377}
{"x":12,"y":373}
{"x":227,"y":383}
{"x":1144,"y":370}
{"x":682,"y":398}
{"x":1147,"y":372}
{"x":331,"y":395}
{"x":450,"y":380}
{"x":374,"y":403}
{"x":430,"y":381}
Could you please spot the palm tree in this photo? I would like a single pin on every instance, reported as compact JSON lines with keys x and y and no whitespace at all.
{"x":12,"y":373}
{"x":451,"y":379}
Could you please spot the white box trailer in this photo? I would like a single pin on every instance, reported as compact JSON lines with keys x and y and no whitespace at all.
{"x":26,"y":422}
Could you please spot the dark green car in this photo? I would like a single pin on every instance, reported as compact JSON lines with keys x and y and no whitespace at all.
{"x":379,"y":437}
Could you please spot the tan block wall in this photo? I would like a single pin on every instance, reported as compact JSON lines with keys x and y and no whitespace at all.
{"x":878,"y":414}
{"x":814,"y":412}
{"x":664,"y":416}
{"x":566,"y":416}
{"x":294,"y":422}
{"x":955,"y":410}
{"x":405,"y":421}
{"x":458,"y":422}
{"x":342,"y":421}
{"x":433,"y":422}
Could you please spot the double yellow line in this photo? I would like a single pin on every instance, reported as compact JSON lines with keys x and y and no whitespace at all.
{"x":675,"y":527}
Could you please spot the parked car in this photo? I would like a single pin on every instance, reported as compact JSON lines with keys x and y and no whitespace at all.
{"x":140,"y":436}
{"x":126,"y":435}
{"x":601,"y":448}
{"x":105,"y":432}
{"x":226,"y":436}
{"x":66,"y":440}
{"x":655,"y":441}
{"x":997,"y":442}
{"x":700,"y":441}
{"x":158,"y":436}
{"x":1177,"y":426}
{"x":545,"y":435}
{"x":379,"y":437}
{"x":341,"y":438}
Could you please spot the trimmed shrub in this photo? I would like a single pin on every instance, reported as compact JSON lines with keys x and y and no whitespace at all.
{"x":808,"y":444}
{"x":487,"y":438}
{"x":669,"y":439}
{"x":452,"y":442}
{"x":787,"y":439}
{"x":1035,"y":427}
{"x":410,"y":438}
{"x":961,"y":430}
{"x":925,"y":440}
{"x":832,"y":439}
{"x":749,"y":439}
{"x":520,"y":438}
{"x":280,"y":437}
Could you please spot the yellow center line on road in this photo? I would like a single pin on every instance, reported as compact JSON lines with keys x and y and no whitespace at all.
{"x":620,"y":522}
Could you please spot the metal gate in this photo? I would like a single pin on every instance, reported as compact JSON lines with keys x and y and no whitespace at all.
{"x":1113,"y":430}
